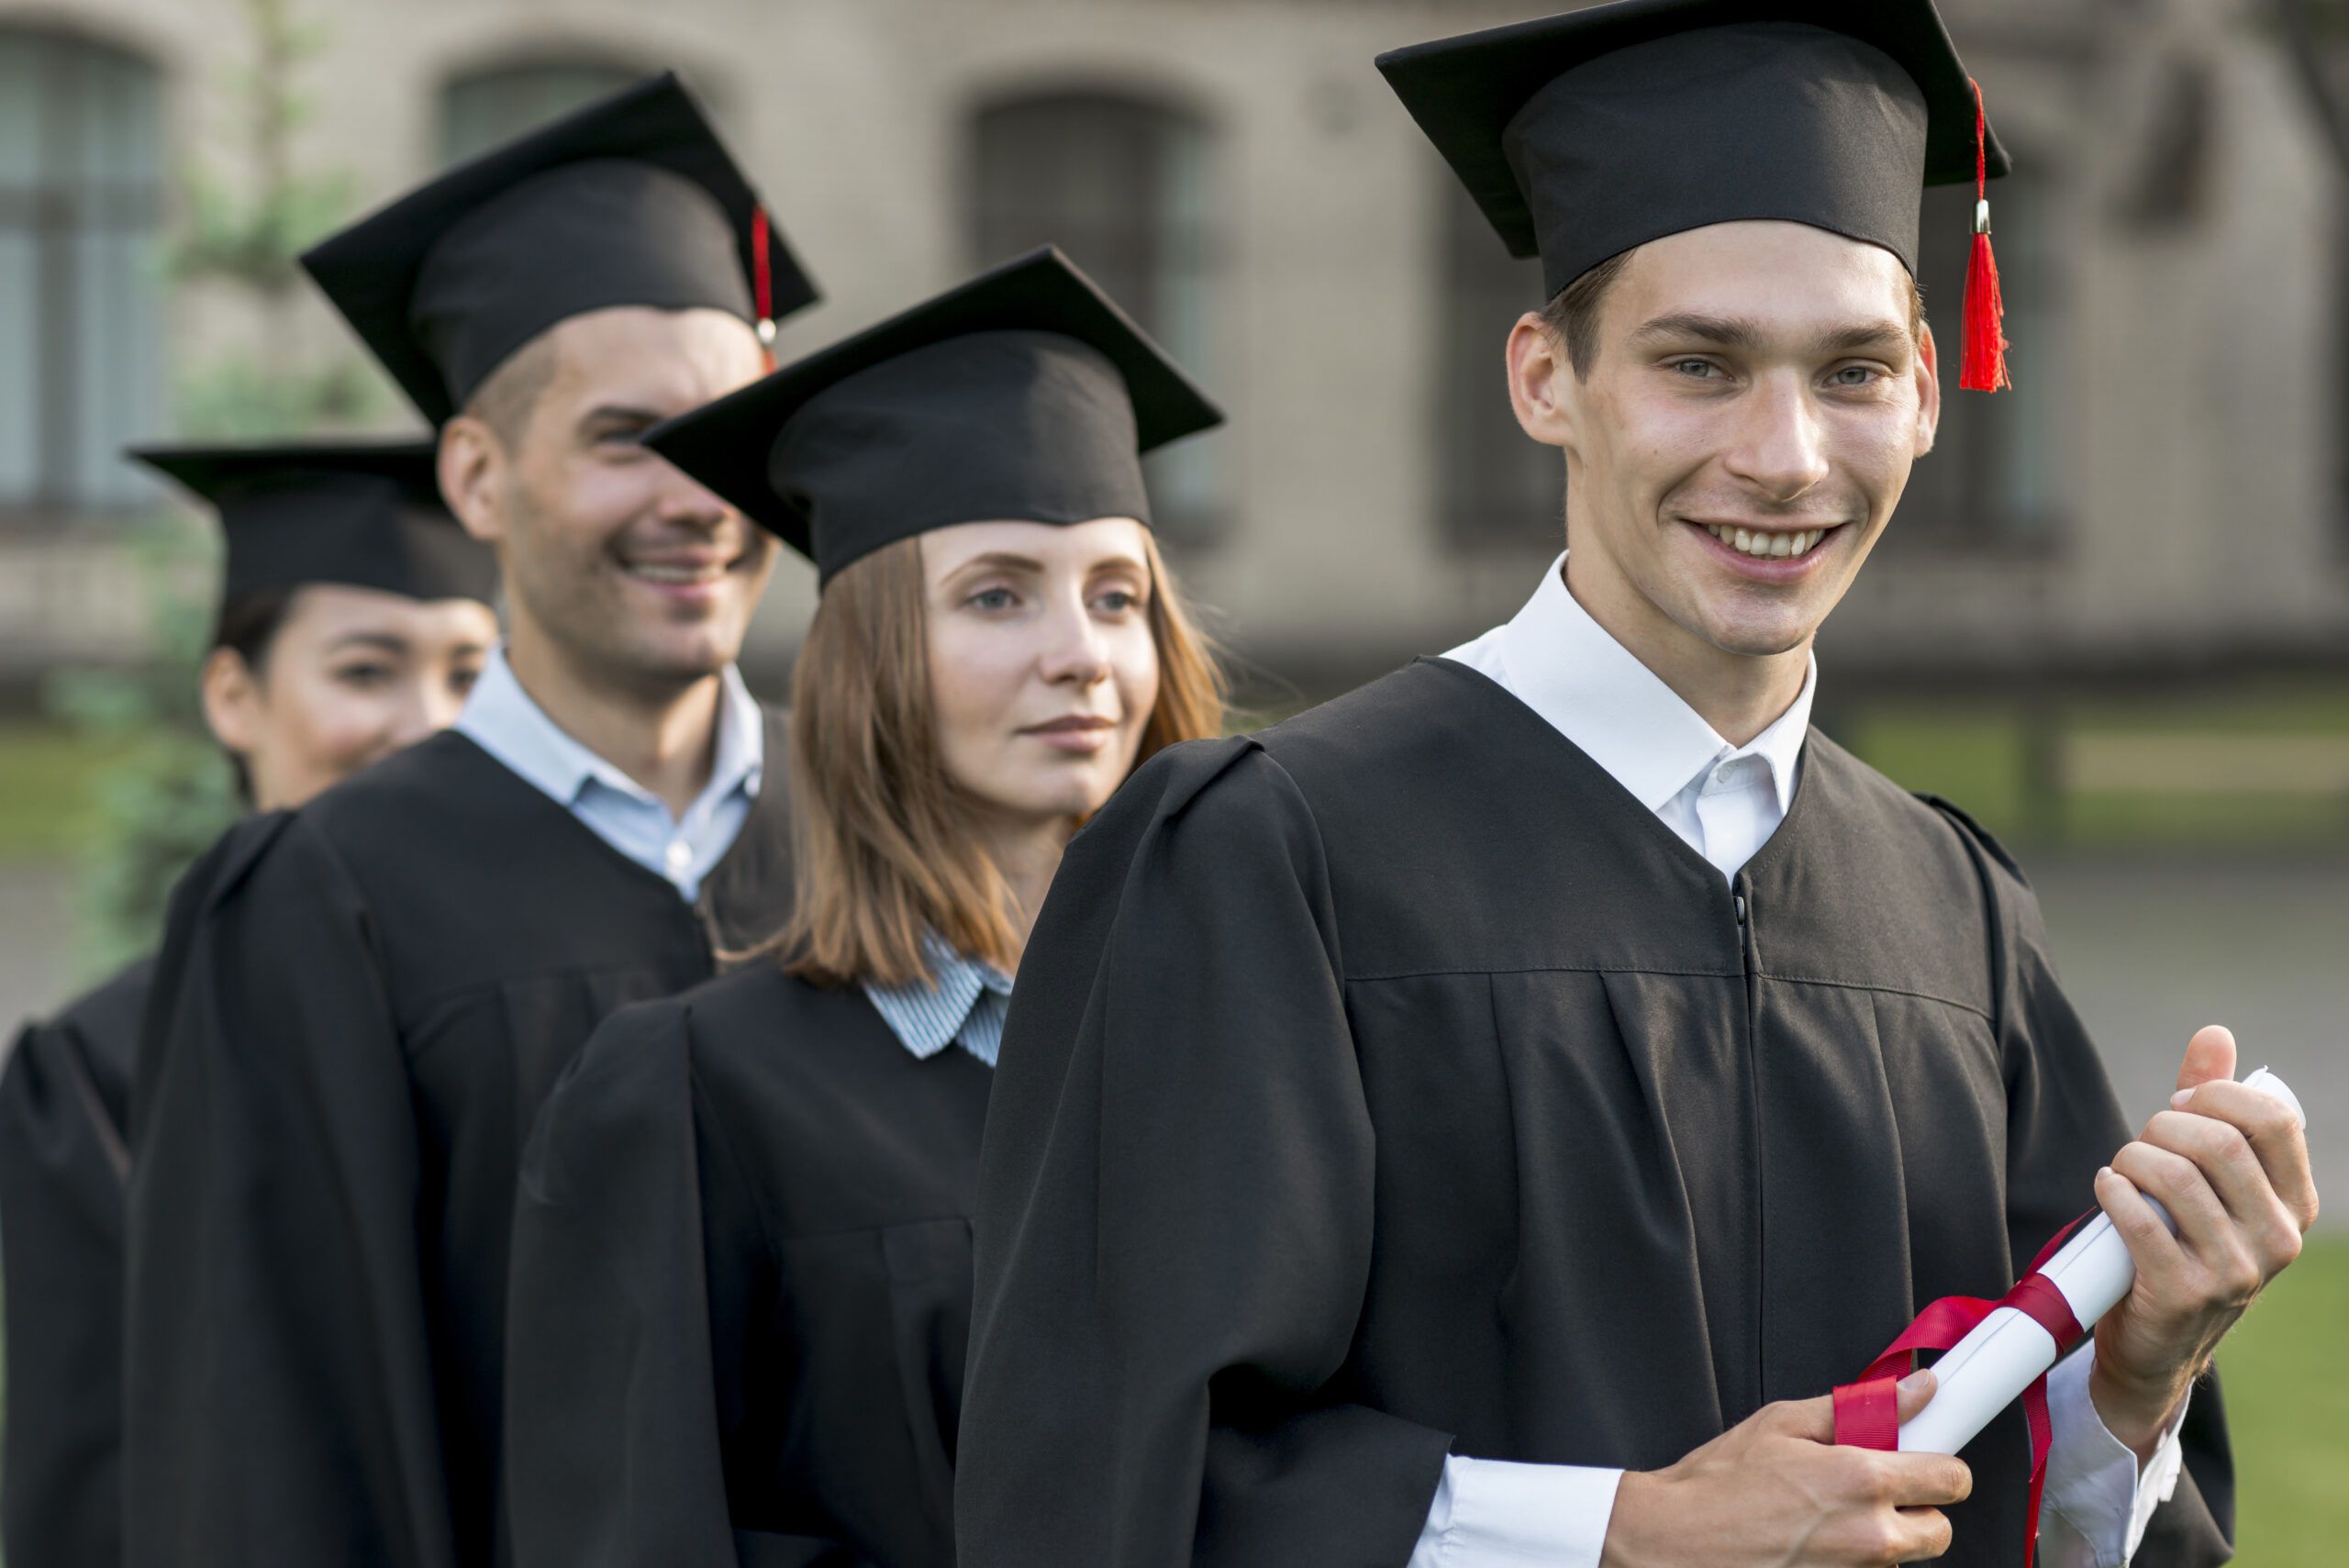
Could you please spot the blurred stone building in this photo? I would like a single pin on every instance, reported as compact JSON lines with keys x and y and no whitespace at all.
{"x":2163,"y":491}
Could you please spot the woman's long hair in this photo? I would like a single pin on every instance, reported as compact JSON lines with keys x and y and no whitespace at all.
{"x":886,"y":845}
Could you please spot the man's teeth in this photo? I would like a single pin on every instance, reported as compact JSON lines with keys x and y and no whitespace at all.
{"x":1765,"y":542}
{"x":653,"y":571}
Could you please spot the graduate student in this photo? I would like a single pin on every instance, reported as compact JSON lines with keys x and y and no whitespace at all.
{"x":353,"y":617}
{"x":741,"y":1249}
{"x":1480,"y":1120}
{"x":370,"y":998}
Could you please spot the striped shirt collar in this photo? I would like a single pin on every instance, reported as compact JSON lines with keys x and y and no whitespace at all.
{"x":963,"y":1005}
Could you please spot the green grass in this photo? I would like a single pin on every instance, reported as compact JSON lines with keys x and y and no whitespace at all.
{"x":1973,"y":755}
{"x":1978,"y":755}
{"x":2286,"y":1371}
{"x":47,"y":788}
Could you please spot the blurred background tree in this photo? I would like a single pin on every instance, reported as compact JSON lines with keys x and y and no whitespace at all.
{"x":166,"y":792}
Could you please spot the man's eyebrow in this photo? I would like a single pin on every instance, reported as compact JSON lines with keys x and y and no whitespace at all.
{"x":618,"y":414}
{"x":1731,"y":332}
{"x":1865,"y":335}
{"x":1682,"y":326}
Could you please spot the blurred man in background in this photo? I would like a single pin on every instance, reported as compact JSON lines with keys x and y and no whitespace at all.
{"x":370,"y":1000}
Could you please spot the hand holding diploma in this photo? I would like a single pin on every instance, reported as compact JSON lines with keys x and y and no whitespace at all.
{"x":2205,"y":1208}
{"x":2230,"y":1163}
{"x":1774,"y":1492}
{"x":2010,"y":1350}
{"x":2207,"y":1205}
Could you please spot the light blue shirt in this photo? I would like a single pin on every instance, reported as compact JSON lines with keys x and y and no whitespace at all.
{"x":502,"y":720}
{"x":965,"y":1005}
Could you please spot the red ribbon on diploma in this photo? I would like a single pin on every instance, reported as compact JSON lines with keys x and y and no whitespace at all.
{"x":1867,"y":1413}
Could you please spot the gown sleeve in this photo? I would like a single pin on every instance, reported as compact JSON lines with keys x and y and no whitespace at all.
{"x":279,"y":1395}
{"x":1175,"y":1217}
{"x":2063,"y":1124}
{"x":615,"y":1456}
{"x":62,"y":1164}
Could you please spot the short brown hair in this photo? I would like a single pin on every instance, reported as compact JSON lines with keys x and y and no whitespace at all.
{"x":885,"y":846}
{"x":510,"y":395}
{"x":1571,"y":319}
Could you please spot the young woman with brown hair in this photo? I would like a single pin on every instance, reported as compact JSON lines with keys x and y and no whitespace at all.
{"x":741,"y":1280}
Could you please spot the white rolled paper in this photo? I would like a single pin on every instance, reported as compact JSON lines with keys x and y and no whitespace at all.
{"x":1987,"y":1369}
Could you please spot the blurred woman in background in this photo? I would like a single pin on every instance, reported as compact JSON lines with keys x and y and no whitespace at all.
{"x":353,"y":617}
{"x":741,"y":1279}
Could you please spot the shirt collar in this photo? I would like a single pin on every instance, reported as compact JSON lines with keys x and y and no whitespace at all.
{"x":505,"y":721}
{"x":1594,"y":692}
{"x":740,"y":762}
{"x":928,"y":1014}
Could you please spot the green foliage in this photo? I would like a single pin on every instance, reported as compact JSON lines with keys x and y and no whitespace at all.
{"x":48,"y":781}
{"x":234,"y":399}
{"x":167,"y":792}
{"x":255,"y":243}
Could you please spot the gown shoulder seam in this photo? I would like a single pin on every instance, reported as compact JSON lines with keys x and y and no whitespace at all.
{"x":1469,"y":971}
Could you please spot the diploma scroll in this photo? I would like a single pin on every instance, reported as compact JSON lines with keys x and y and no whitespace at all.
{"x":2009,"y":1351}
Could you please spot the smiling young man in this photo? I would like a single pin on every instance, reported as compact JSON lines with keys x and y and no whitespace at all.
{"x":1476,"y":1123}
{"x":369,"y":999}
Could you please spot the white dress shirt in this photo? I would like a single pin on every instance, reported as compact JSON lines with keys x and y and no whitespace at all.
{"x":1724,"y":801}
{"x":502,"y":721}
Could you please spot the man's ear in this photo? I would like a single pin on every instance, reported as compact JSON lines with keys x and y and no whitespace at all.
{"x":1539,"y":373}
{"x":1929,"y":391}
{"x":232,"y":701}
{"x":472,"y":465}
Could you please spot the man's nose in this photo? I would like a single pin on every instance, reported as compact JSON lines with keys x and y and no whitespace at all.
{"x":1783,"y":446}
{"x":688,"y":503}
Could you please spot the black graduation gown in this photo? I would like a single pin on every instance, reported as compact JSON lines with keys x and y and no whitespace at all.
{"x":64,"y":1107}
{"x":1394,"y":1084}
{"x":368,"y":1001}
{"x":743,"y":1288}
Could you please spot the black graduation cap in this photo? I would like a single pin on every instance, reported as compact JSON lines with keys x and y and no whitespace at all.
{"x":631,"y":201}
{"x":366,"y":515}
{"x":1023,"y":395}
{"x":1583,"y":135}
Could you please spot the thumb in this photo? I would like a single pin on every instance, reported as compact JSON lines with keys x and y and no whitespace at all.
{"x":1916,"y":1392}
{"x":2209,"y":1056}
{"x":1815,"y":1418}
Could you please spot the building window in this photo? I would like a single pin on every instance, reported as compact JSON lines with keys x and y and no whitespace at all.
{"x":1124,"y":187}
{"x":482,"y":108}
{"x":1992,"y":478}
{"x":81,"y":214}
{"x":1500,"y":488}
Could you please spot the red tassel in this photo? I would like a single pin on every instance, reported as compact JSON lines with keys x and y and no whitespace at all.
{"x":1982,"y":354}
{"x":1983,"y":357}
{"x":763,"y":285}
